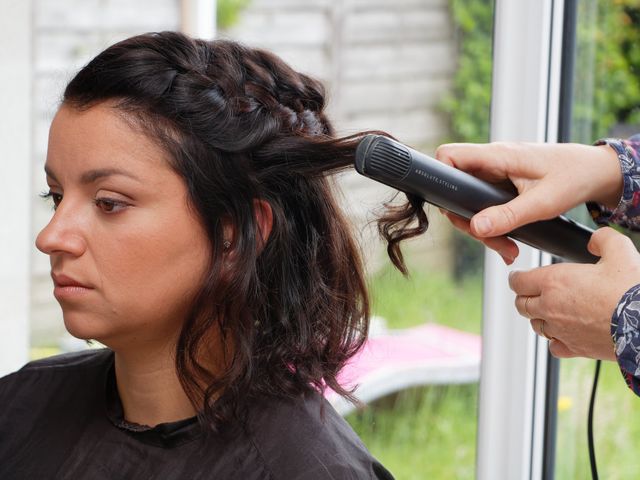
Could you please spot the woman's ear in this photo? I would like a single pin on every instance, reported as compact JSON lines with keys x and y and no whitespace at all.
{"x":264,"y":220}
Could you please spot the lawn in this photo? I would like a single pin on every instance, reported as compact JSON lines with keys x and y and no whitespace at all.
{"x":431,"y":432}
{"x":424,"y":432}
{"x":427,"y":297}
{"x":616,"y":423}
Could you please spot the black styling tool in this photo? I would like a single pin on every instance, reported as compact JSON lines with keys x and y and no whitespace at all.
{"x":410,"y":171}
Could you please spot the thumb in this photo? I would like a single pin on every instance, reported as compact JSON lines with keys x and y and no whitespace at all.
{"x":502,"y":219}
{"x":606,"y":242}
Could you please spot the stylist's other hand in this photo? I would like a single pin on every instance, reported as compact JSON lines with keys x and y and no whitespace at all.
{"x":550,"y":179}
{"x":576,"y":302}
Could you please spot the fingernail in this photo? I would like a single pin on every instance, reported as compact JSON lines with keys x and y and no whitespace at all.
{"x":511,"y":257}
{"x":482,"y":225}
{"x":508,"y":260}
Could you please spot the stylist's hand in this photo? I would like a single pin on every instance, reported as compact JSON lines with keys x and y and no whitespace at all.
{"x":573,"y":304}
{"x":550,"y":179}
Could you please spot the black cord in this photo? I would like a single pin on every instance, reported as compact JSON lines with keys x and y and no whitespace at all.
{"x":592,"y":452}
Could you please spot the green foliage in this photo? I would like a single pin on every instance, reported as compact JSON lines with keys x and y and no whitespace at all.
{"x":607,"y":86}
{"x":469,"y":102}
{"x":607,"y":68}
{"x":228,"y":11}
{"x":468,"y":105}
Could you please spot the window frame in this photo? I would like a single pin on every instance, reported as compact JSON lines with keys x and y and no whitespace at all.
{"x":518,"y":380}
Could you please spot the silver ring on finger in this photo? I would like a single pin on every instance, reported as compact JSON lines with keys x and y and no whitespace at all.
{"x":542,"y":322}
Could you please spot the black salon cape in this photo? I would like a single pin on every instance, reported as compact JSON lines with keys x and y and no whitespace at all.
{"x":61,"y":418}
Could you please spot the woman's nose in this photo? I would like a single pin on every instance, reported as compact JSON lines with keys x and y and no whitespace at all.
{"x":62,"y":234}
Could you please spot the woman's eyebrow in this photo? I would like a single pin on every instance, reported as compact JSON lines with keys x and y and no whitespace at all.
{"x":93,"y":175}
{"x":49,"y":173}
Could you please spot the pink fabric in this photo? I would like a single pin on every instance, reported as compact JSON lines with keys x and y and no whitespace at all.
{"x":426,"y":343}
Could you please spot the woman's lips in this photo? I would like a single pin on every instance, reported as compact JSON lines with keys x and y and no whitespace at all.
{"x":67,"y":287}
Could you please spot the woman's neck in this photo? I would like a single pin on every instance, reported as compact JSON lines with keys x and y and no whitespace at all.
{"x":149,"y":388}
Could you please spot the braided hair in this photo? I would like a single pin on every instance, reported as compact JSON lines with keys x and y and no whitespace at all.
{"x":239,"y":124}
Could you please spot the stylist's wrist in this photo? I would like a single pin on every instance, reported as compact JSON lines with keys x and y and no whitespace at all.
{"x":608,"y":182}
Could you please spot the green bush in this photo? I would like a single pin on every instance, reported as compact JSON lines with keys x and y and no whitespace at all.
{"x":607,"y":67}
{"x":607,"y":89}
{"x":469,"y":102}
{"x":228,"y":12}
{"x":607,"y":86}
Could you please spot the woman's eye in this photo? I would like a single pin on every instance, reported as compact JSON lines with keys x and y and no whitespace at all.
{"x":54,"y":198}
{"x":109,"y":205}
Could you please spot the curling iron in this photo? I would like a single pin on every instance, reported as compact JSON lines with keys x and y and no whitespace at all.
{"x":398,"y":166}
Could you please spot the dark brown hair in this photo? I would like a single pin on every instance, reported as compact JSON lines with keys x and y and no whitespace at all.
{"x":239,"y":125}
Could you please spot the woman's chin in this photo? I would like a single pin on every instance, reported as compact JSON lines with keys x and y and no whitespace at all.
{"x":84,"y":328}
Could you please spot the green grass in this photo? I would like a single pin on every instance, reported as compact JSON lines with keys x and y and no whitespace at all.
{"x":427,"y":297}
{"x":616,"y":422}
{"x":423,"y":433}
{"x":427,"y":432}
{"x":431,"y":432}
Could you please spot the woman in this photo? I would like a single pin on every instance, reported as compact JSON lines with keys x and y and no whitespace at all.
{"x":584,"y":310}
{"x":196,"y":236}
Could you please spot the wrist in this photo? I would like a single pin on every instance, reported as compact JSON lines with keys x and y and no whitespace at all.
{"x":608,"y":182}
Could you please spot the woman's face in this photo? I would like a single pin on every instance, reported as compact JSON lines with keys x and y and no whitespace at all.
{"x":127,"y":253}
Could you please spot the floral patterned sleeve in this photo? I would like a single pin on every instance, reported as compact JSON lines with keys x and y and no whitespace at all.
{"x":625,"y":331}
{"x":625,"y":322}
{"x":627,"y":213}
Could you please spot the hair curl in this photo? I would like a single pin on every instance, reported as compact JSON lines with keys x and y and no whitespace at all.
{"x":239,"y":125}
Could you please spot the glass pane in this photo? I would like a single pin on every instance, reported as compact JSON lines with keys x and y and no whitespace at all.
{"x":606,"y":103}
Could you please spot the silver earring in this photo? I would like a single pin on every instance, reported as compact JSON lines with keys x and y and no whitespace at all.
{"x":226,"y":245}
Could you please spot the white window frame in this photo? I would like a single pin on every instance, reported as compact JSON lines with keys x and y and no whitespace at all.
{"x":513,"y":380}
